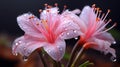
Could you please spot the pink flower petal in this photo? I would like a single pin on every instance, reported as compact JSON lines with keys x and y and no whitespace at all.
{"x":53,"y":11}
{"x":103,"y":46}
{"x":56,"y":50}
{"x":28,"y":25}
{"x":106,"y":36}
{"x":69,"y":15}
{"x":25,"y":46}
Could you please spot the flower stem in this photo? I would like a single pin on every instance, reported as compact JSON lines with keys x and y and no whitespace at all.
{"x":57,"y":63}
{"x":75,"y":48}
{"x":78,"y":55}
{"x":42,"y":59}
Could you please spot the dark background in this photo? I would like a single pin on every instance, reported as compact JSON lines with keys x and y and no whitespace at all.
{"x":10,"y":9}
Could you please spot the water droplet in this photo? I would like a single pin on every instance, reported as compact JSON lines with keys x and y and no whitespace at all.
{"x":113,"y":59}
{"x":68,"y":33}
{"x":25,"y":15}
{"x":25,"y":58}
{"x":16,"y":44}
{"x":76,"y":38}
{"x":114,"y":42}
{"x":75,"y":31}
{"x":19,"y":41}
{"x":15,"y":54}
{"x":59,"y":48}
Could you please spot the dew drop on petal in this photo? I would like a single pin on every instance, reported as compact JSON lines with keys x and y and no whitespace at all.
{"x":114,"y":42}
{"x":68,"y":33}
{"x":113,"y":59}
{"x":25,"y":58}
{"x":19,"y":41}
{"x":59,"y":48}
{"x":76,"y":38}
{"x":15,"y":54}
{"x":75,"y":31}
{"x":16,"y":44}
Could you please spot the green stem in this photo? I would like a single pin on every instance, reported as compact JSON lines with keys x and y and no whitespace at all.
{"x":75,"y":48}
{"x":42,"y":59}
{"x":57,"y":64}
{"x":78,"y":55}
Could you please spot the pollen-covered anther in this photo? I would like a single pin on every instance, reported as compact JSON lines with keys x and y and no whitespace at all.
{"x":97,"y":19}
{"x":108,"y":10}
{"x":49,"y":6}
{"x":93,"y":6}
{"x":115,"y":24}
{"x":65,"y":7}
{"x":46,"y":5}
{"x":56,"y":5}
{"x":40,"y":10}
{"x":31,"y":17}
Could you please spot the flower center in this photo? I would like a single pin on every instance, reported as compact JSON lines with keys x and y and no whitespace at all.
{"x":50,"y":36}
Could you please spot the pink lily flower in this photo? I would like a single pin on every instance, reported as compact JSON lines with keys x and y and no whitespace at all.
{"x":93,"y":31}
{"x":48,"y":32}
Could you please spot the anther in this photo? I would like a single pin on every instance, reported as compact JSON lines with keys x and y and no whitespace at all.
{"x":49,"y":6}
{"x":40,"y":10}
{"x":46,"y":5}
{"x":93,"y":6}
{"x":31,"y":17}
{"x":56,"y":4}
{"x":108,"y":10}
{"x":65,"y":6}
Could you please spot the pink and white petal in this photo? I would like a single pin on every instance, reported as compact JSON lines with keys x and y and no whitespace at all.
{"x":53,"y":11}
{"x":103,"y":46}
{"x":28,"y":25}
{"x":56,"y":50}
{"x":76,"y":11}
{"x":107,"y":37}
{"x":88,"y":16}
{"x":85,"y":14}
{"x":25,"y":46}
{"x":69,"y":15}
{"x":68,"y":30}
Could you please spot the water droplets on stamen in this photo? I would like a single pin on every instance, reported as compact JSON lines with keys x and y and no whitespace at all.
{"x":25,"y":58}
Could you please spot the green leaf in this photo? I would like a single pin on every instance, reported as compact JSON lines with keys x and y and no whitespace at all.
{"x":66,"y":56}
{"x":62,"y":65}
{"x":115,"y":33}
{"x":85,"y":64}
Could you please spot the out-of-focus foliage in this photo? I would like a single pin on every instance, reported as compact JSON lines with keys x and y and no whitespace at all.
{"x":86,"y":64}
